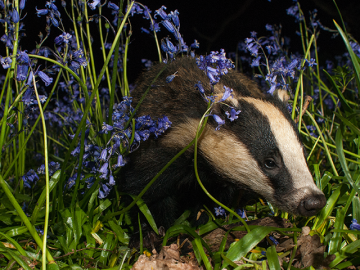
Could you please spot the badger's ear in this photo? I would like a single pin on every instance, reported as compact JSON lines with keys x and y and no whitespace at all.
{"x":282,"y":95}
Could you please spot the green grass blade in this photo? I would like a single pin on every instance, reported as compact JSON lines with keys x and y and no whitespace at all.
{"x":273,"y":258}
{"x":340,"y":151}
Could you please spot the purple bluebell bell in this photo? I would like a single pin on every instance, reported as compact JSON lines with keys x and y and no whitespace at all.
{"x":113,"y":6}
{"x":5,"y":62}
{"x":168,"y":25}
{"x":30,"y":179}
{"x":174,"y":15}
{"x":195,"y":45}
{"x":120,"y":162}
{"x":219,"y":211}
{"x":41,"y":12}
{"x":170,"y":78}
{"x":22,"y":71}
{"x":45,"y":78}
{"x":23,"y":58}
{"x":161,"y":12}
{"x":272,"y":238}
{"x":241,"y":213}
{"x":104,"y":191}
{"x":14,"y":14}
{"x":22,"y":4}
{"x":218,"y":120}
{"x":94,"y":4}
{"x":227,"y":94}
{"x":233,"y":114}
{"x":8,"y":40}
{"x":355,"y":225}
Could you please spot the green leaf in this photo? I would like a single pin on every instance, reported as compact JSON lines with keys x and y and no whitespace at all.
{"x":53,"y":181}
{"x":121,"y":235}
{"x":204,"y":258}
{"x":353,"y":56}
{"x":272,"y":258}
{"x":340,"y":152}
{"x":247,"y":243}
{"x":145,"y":210}
{"x":16,"y":244}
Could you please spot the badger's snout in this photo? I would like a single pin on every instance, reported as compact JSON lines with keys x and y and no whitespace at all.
{"x":312,"y":204}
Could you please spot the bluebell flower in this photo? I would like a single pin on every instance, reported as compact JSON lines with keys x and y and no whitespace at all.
{"x":218,"y":120}
{"x":120,"y":162}
{"x":22,"y":71}
{"x":93,"y":4}
{"x":146,"y":13}
{"x":195,"y":45}
{"x":22,"y":4}
{"x":219,"y":211}
{"x":14,"y":15}
{"x":273,"y":240}
{"x":161,"y":12}
{"x":63,"y":38}
{"x":106,"y":128}
{"x":113,"y":6}
{"x":241,"y":213}
{"x":354,"y":225}
{"x":104,"y":191}
{"x":174,"y":15}
{"x":168,"y":25}
{"x":111,"y":180}
{"x":103,"y":154}
{"x":2,"y":5}
{"x":30,"y":179}
{"x":256,"y":62}
{"x":45,"y":78}
{"x":8,"y":40}
{"x":233,"y":114}
{"x":227,"y":94}
{"x":23,"y":58}
{"x":200,"y":87}
{"x":170,"y":78}
{"x":104,"y":170}
{"x":5,"y":62}
{"x":41,"y":12}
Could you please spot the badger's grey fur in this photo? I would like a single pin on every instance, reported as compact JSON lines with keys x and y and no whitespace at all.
{"x":260,"y":152}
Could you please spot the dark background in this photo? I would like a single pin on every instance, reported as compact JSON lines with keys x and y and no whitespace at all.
{"x":215,"y":24}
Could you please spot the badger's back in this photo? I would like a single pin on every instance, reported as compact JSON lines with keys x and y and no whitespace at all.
{"x":259,"y":152}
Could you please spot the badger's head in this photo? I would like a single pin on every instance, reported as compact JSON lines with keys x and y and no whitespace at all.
{"x":261,"y":151}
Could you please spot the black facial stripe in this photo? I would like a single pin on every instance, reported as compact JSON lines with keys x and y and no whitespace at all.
{"x":253,"y":129}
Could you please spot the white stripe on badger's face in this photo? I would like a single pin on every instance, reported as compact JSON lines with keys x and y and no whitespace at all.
{"x":228,"y":155}
{"x":292,"y":154}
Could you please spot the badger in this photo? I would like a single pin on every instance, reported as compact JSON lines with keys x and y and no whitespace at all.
{"x":259,"y":154}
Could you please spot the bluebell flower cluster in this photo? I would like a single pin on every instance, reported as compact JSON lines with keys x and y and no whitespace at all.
{"x":171,"y":22}
{"x":215,"y":65}
{"x":102,"y":161}
{"x":53,"y":167}
{"x":280,"y":67}
{"x":51,"y":12}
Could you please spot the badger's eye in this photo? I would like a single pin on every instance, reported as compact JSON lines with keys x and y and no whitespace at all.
{"x":270,"y":163}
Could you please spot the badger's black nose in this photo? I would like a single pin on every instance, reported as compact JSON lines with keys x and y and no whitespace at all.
{"x":312,"y":204}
